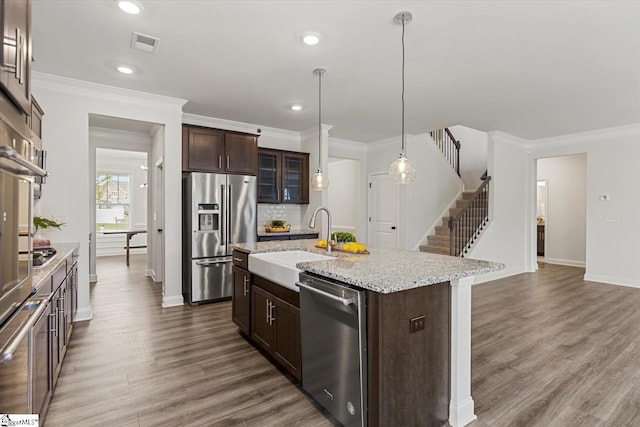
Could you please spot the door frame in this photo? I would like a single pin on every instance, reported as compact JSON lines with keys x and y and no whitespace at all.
{"x":370,"y":230}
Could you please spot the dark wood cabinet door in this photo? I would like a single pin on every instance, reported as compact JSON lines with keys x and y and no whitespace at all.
{"x":241,"y":154}
{"x":55,"y":341}
{"x":295,"y":178}
{"x":16,"y":52}
{"x":286,"y":347}
{"x":241,"y":299}
{"x":40,"y":380}
{"x":262,"y":331}
{"x":205,"y":150}
{"x":269,"y":165}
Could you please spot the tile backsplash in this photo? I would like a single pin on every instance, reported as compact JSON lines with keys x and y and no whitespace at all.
{"x":296,"y":215}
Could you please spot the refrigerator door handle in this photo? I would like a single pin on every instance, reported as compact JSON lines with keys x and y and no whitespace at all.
{"x":229,"y":213}
{"x":206,"y":263}
{"x":224,"y":215}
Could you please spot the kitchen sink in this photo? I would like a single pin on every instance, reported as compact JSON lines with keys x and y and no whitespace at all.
{"x":280,"y":267}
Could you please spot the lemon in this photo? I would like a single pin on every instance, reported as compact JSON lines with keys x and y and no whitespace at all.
{"x":322,"y":243}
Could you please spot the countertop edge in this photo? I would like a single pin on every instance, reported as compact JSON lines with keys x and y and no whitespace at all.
{"x":64,"y":251}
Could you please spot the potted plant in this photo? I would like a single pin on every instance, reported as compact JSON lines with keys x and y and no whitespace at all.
{"x":342,"y":237}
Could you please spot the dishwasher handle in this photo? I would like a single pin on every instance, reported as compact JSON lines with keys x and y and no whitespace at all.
{"x":345,"y":301}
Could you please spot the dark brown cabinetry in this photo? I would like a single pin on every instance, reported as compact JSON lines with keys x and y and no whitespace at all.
{"x":283,"y":176}
{"x":275,"y":323}
{"x":241,"y":296}
{"x":40,"y":380}
{"x":218,"y":151}
{"x":15,"y":55}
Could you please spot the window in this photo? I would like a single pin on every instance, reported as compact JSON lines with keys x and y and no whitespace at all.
{"x":112,"y":201}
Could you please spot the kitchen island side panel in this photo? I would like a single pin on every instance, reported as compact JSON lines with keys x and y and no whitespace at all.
{"x":408,"y":372}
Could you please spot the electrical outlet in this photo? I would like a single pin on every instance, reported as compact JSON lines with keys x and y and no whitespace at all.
{"x":416,"y":324}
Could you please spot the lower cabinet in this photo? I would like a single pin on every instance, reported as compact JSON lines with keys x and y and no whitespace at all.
{"x":41,"y":385}
{"x":241,"y":299}
{"x":275,"y":324}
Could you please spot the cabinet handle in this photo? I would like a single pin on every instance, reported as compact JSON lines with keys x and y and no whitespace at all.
{"x":235,"y":258}
{"x":246,"y":285}
{"x":19,"y":56}
{"x":227,"y":162}
{"x":268,"y":312}
{"x":220,"y":161}
{"x":273,"y":306}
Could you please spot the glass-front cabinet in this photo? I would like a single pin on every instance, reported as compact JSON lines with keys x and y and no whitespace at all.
{"x":283,"y":176}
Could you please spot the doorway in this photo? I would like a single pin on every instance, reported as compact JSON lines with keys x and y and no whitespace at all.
{"x":132,"y":149}
{"x":383,"y":211}
{"x":561,"y":188}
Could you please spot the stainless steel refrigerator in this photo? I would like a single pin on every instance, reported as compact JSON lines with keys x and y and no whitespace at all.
{"x":218,"y":210}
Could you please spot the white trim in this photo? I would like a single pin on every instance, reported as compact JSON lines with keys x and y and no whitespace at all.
{"x":357,"y":145}
{"x":149,"y":273}
{"x":232,"y":125}
{"x":93,"y":278}
{"x":83,"y":314}
{"x":370,"y":209}
{"x":461,"y":405}
{"x":335,"y":227}
{"x":568,"y":262}
{"x":172,"y":301}
{"x":103,"y":92}
{"x":610,"y":134}
{"x":152,"y":274}
{"x":497,"y":275}
{"x":610,"y":280}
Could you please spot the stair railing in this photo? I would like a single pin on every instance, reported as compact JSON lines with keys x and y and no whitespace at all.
{"x":449,"y":146}
{"x":465,"y":227}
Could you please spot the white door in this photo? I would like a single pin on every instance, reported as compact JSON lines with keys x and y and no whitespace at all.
{"x":383,"y":211}
{"x":158,"y":216}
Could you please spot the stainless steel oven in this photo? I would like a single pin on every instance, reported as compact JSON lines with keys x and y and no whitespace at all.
{"x":17,"y":173}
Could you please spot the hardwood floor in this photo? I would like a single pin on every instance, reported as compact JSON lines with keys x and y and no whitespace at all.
{"x":136,"y":364}
{"x":548,"y":350}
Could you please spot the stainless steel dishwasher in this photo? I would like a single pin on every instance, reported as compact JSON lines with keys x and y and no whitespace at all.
{"x":334,"y":348}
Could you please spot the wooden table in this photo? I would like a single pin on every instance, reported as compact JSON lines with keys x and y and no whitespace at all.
{"x":130,"y":234}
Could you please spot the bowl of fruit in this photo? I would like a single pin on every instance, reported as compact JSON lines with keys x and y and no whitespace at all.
{"x":277,"y":226}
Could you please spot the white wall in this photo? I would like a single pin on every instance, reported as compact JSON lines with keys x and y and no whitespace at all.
{"x":344,"y":196}
{"x":473,"y":155}
{"x":155,"y":250}
{"x":565,"y":225}
{"x":505,"y":238}
{"x":435,"y":187}
{"x":613,"y":225}
{"x":357,"y":189}
{"x":67,"y":104}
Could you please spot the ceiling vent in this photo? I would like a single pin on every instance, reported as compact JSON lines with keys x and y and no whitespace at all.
{"x":144,"y":42}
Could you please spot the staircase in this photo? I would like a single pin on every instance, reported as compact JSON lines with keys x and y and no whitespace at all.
{"x":459,"y":230}
{"x":440,"y":242}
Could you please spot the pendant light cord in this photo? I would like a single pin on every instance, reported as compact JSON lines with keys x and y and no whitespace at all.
{"x":319,"y":118}
{"x":403,"y":142}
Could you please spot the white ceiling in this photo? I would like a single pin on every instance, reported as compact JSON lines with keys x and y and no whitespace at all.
{"x":530,"y":68}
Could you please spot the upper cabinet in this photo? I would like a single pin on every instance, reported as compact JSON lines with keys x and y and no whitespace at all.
{"x":218,"y":151}
{"x":283,"y":176}
{"x":15,"y":55}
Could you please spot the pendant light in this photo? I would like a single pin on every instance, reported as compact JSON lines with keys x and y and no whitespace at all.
{"x":319,"y":180}
{"x":402,"y":170}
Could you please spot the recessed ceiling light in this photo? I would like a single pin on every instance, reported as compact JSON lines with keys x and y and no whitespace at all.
{"x":125,"y":69}
{"x":296,"y":107}
{"x":311,"y":39}
{"x":130,"y":7}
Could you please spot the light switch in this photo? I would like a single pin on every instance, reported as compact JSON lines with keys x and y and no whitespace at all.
{"x":604,"y":197}
{"x":611,"y":218}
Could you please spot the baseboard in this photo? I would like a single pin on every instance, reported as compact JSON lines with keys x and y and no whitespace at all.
{"x":84,"y":314}
{"x":566,"y":262}
{"x":461,"y":413}
{"x":496,"y":275}
{"x":93,"y":278}
{"x":150,"y":273}
{"x":618,"y":281}
{"x":172,"y":301}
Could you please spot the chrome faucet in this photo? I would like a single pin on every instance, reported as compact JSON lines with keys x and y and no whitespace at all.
{"x":312,"y":224}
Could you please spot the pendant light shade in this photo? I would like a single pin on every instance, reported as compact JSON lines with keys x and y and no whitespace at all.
{"x":319,"y":180}
{"x":402,"y":171}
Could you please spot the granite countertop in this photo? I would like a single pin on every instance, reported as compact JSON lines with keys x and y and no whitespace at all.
{"x":64,"y":250}
{"x":384,"y":270}
{"x":293,"y":231}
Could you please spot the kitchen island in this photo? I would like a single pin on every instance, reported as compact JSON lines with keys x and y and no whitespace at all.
{"x":418,"y":373}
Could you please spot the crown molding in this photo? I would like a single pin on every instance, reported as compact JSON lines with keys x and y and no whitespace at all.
{"x":213,"y":122}
{"x":610,"y":134}
{"x":348,"y":143}
{"x":96,"y":90}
